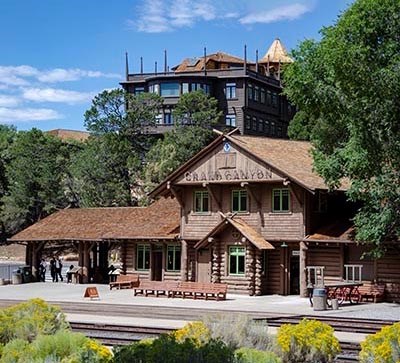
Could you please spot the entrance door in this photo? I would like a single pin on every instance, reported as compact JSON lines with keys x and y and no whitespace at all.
{"x":157,"y":265}
{"x":294,"y":273}
{"x":204,"y":265}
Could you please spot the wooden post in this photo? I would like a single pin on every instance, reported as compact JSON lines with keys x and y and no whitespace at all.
{"x":28,"y":253}
{"x":80,"y":253}
{"x":303,"y":270}
{"x":258,"y":281}
{"x":184,"y":261}
{"x":86,"y":262}
{"x":250,"y":268}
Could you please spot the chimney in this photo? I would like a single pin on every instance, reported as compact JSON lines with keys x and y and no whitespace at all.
{"x":126,"y":67}
{"x":245,"y":58}
{"x":141,"y":65}
{"x":155,"y":67}
{"x":205,"y":61}
{"x":257,"y":61}
{"x":165,"y":61}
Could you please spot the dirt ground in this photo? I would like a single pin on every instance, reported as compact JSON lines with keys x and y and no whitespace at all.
{"x":12,"y":253}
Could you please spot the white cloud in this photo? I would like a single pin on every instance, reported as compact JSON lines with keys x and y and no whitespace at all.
{"x":10,"y":115}
{"x":8,"y":101}
{"x":152,"y":18}
{"x":288,"y":12}
{"x":56,"y":95}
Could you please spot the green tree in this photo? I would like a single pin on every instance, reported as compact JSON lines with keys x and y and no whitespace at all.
{"x":127,"y":115}
{"x":102,"y":172}
{"x":195,"y":116}
{"x":35,"y":175}
{"x":347,"y":86}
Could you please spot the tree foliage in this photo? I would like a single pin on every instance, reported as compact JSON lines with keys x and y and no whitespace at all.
{"x":195,"y":116}
{"x":347,"y":86}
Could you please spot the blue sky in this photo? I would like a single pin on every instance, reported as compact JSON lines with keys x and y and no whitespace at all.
{"x":56,"y":55}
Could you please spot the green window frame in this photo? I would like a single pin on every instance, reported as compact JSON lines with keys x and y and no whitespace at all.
{"x":280,"y":200}
{"x":237,"y":260}
{"x":142,"y":257}
{"x":201,"y":202}
{"x":173,"y":258}
{"x":240,"y":202}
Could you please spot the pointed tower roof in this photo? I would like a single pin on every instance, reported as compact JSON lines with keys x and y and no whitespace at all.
{"x":277,"y":53}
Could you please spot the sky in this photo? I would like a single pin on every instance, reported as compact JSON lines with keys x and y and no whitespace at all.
{"x":56,"y":55}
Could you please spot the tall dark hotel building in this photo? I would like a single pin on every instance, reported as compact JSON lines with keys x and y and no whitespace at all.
{"x":248,"y":93}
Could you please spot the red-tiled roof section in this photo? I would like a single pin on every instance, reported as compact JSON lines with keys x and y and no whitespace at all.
{"x":159,"y":220}
{"x":69,"y":134}
{"x":292,"y":158}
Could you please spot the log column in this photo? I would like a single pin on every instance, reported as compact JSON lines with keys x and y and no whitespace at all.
{"x":184,"y":261}
{"x":250,"y":268}
{"x":303,"y":272}
{"x":215,"y":267}
{"x":258,"y":281}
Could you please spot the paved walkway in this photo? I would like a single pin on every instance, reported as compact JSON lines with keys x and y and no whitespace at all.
{"x":52,"y":292}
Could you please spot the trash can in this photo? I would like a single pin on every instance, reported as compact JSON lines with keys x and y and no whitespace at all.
{"x":26,"y":272}
{"x":319,"y":299}
{"x":17,"y":277}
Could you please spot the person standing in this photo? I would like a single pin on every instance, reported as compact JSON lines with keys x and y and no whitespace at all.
{"x":58,"y":269}
{"x":42,"y":270}
{"x":53,"y":269}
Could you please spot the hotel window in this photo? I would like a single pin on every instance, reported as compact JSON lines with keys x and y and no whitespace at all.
{"x":266,"y":127}
{"x":274,"y":99}
{"x":248,"y":122}
{"x":195,"y":87}
{"x":173,"y":258}
{"x":239,"y":201}
{"x":201,"y":202}
{"x":168,"y":119}
{"x":185,"y":88}
{"x":207,"y":89}
{"x":237,"y":256}
{"x":142,"y":257}
{"x":262,"y":95}
{"x":230,"y":120}
{"x":254,"y":123}
{"x":230,"y":90}
{"x":169,"y":89}
{"x":273,"y":128}
{"x":154,"y":88}
{"x":256,"y":93}
{"x":159,"y":119}
{"x":260,"y":125}
{"x":250,"y":92}
{"x":139,"y":90}
{"x":280,"y":200}
{"x":269,"y":97}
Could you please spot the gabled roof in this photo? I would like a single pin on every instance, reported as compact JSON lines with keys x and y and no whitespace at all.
{"x":291,"y":159}
{"x":159,"y":220}
{"x":197,"y":63}
{"x":251,"y":235}
{"x":276,"y":53}
{"x":339,"y":231}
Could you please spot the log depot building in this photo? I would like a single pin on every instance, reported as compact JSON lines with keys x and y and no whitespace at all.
{"x":247,"y":211}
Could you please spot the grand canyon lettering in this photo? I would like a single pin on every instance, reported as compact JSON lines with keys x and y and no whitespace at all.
{"x":237,"y":174}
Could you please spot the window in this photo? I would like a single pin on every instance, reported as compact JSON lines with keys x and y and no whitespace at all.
{"x":248,"y":122}
{"x":280,"y":200}
{"x":262,"y":95}
{"x":185,"y":88}
{"x":159,"y":119}
{"x":142,"y":257}
{"x":169,"y":89}
{"x":279,"y":131}
{"x":201,"y":202}
{"x":139,"y":90}
{"x":236,"y":260}
{"x":274,"y":99}
{"x":250,"y":92}
{"x":256,"y":93}
{"x":154,"y":88}
{"x":260,"y":125}
{"x":168,"y":119}
{"x":273,"y":128}
{"x":173,"y":258}
{"x":239,"y":201}
{"x":207,"y":89}
{"x":269,"y":97}
{"x":230,"y":90}
{"x":195,"y":86}
{"x":230,"y":120}
{"x":266,"y":127}
{"x":254,"y":123}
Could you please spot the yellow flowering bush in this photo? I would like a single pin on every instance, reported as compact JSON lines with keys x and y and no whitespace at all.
{"x":383,"y":346}
{"x":308,"y":341}
{"x":196,"y":331}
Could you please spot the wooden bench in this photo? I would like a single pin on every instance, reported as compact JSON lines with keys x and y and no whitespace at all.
{"x":125,"y":281}
{"x":375,"y":292}
{"x":154,"y":288}
{"x":200,"y":290}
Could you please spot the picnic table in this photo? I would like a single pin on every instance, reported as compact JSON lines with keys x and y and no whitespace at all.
{"x":344,"y":291}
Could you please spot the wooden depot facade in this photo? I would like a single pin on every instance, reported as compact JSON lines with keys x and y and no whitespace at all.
{"x":246,"y":211}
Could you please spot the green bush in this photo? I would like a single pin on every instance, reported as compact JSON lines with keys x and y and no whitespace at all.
{"x":249,"y":355}
{"x":383,"y":346}
{"x":64,"y":346}
{"x":166,"y":349}
{"x":307,"y":342}
{"x":238,"y":331}
{"x":27,"y":320}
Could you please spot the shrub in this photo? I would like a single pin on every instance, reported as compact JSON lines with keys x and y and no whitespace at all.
{"x":382,"y":347}
{"x":63,"y":346}
{"x":197,"y":331}
{"x":249,"y":355}
{"x":306,"y":342}
{"x":166,"y":349}
{"x":238,"y":331}
{"x":27,"y":320}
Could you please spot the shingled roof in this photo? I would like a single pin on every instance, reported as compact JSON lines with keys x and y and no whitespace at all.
{"x":292,"y":158}
{"x":65,"y":135}
{"x":159,"y":220}
{"x":276,"y":53}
